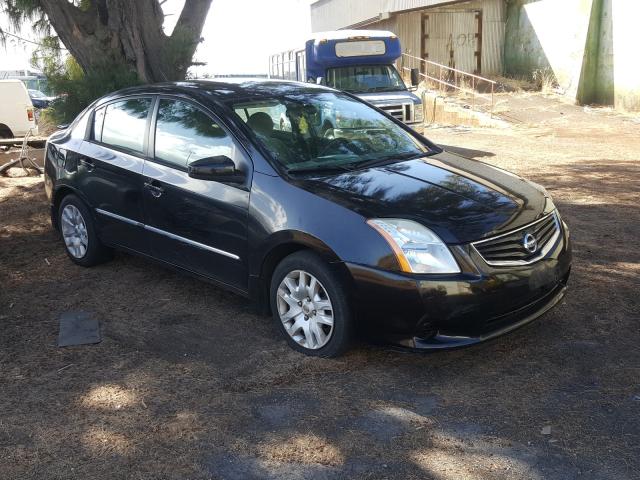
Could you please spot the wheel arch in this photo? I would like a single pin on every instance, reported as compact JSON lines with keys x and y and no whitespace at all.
{"x":4,"y":128}
{"x":56,"y":199}
{"x":285,"y":244}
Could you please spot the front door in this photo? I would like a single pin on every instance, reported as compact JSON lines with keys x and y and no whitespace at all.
{"x":200,"y":225}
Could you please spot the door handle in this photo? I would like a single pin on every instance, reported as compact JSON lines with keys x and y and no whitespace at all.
{"x":156,"y":190}
{"x":88,"y":164}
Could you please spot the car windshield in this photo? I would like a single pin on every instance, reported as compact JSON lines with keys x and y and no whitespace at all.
{"x":36,"y":94}
{"x":365,"y":79}
{"x":326,"y":131}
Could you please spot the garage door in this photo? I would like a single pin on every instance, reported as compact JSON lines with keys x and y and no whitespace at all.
{"x":453,"y":38}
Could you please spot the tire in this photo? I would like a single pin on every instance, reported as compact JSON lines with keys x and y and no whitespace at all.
{"x":304,"y":308}
{"x":5,"y":133}
{"x":86,"y":249}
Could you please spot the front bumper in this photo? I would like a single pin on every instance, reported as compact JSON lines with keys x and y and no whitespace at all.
{"x":448,"y":311}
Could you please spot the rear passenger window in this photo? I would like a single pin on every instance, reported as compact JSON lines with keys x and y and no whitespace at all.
{"x":79,"y":130}
{"x":125,"y":122}
{"x":185,"y":133}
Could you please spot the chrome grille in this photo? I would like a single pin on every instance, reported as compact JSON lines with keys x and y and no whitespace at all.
{"x":509,"y":249}
{"x":400,"y":111}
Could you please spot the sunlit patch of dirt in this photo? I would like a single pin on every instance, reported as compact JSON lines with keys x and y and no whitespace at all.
{"x":302,"y":448}
{"x":103,"y":441}
{"x":454,"y":464}
{"x":110,"y":397}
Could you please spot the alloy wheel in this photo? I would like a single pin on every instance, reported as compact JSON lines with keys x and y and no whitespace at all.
{"x":74,"y":231}
{"x":305,"y":309}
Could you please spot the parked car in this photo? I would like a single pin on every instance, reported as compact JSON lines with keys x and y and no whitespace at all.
{"x":39,"y":99}
{"x":17,"y":115}
{"x":377,"y":229}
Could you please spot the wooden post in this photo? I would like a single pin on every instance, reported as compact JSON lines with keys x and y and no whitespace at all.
{"x":473,"y":93}
{"x":492,"y":100}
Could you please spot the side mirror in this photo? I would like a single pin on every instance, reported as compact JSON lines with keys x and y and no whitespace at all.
{"x":415,"y":77}
{"x":219,"y":168}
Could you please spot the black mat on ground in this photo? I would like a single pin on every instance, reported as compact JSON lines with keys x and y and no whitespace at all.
{"x":78,"y":328}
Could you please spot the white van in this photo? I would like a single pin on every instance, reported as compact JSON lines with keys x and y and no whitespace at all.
{"x":17,"y":115}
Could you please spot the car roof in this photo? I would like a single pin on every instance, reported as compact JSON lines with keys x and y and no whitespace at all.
{"x":227,"y":90}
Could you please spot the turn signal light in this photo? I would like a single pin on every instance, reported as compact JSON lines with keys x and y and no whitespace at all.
{"x":30,"y":114}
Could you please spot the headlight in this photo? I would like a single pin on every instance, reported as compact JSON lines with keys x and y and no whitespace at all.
{"x":549,"y":206}
{"x":417,"y":248}
{"x":418,"y":113}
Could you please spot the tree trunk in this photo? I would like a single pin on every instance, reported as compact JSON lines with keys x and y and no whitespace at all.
{"x":126,"y":32}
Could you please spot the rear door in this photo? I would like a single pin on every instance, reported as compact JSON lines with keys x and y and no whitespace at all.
{"x":109,"y":170}
{"x":199,"y":225}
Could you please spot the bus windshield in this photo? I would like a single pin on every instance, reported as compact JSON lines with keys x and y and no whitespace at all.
{"x":365,"y":79}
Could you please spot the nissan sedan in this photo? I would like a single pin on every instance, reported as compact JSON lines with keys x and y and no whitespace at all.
{"x":365,"y":227}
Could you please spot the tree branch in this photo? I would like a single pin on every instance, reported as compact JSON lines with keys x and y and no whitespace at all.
{"x":71,"y":24}
{"x":65,"y":13}
{"x":192,"y":18}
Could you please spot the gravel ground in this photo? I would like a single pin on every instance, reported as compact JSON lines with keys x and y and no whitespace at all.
{"x":189,"y":383}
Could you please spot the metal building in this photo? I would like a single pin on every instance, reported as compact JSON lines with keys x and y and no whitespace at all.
{"x":467,"y":35}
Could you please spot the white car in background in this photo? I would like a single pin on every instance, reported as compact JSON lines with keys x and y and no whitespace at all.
{"x":17,"y":115}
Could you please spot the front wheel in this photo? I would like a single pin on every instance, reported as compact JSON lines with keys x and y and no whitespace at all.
{"x":310,"y":305}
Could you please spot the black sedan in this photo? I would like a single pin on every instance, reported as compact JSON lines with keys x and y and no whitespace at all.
{"x":367,"y":226}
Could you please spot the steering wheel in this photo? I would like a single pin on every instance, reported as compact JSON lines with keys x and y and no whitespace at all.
{"x":336,"y":143}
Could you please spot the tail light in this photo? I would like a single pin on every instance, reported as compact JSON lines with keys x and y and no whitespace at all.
{"x":30,"y":114}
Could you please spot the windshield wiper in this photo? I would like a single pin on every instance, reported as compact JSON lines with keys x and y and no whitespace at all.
{"x":376,"y":162}
{"x":319,"y":169}
{"x":387,"y":89}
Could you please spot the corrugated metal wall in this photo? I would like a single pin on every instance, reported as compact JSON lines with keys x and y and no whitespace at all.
{"x":409,"y":30}
{"x":407,"y":27}
{"x":336,"y":14}
{"x":389,"y":24}
{"x":400,"y":5}
{"x":453,"y":39}
{"x":494,"y":16}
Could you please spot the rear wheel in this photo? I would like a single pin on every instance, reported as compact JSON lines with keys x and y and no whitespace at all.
{"x":5,"y":133}
{"x":79,"y":234}
{"x":310,"y":307}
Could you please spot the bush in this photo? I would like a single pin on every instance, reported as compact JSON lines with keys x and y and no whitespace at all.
{"x":77,"y":89}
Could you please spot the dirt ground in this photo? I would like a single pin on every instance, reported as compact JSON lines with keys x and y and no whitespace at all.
{"x":189,"y":383}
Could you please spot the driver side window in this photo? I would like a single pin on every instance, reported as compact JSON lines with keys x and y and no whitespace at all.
{"x":184,"y":133}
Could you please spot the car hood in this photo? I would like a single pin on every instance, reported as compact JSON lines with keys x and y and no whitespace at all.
{"x":461,"y":200}
{"x":389,"y":98}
